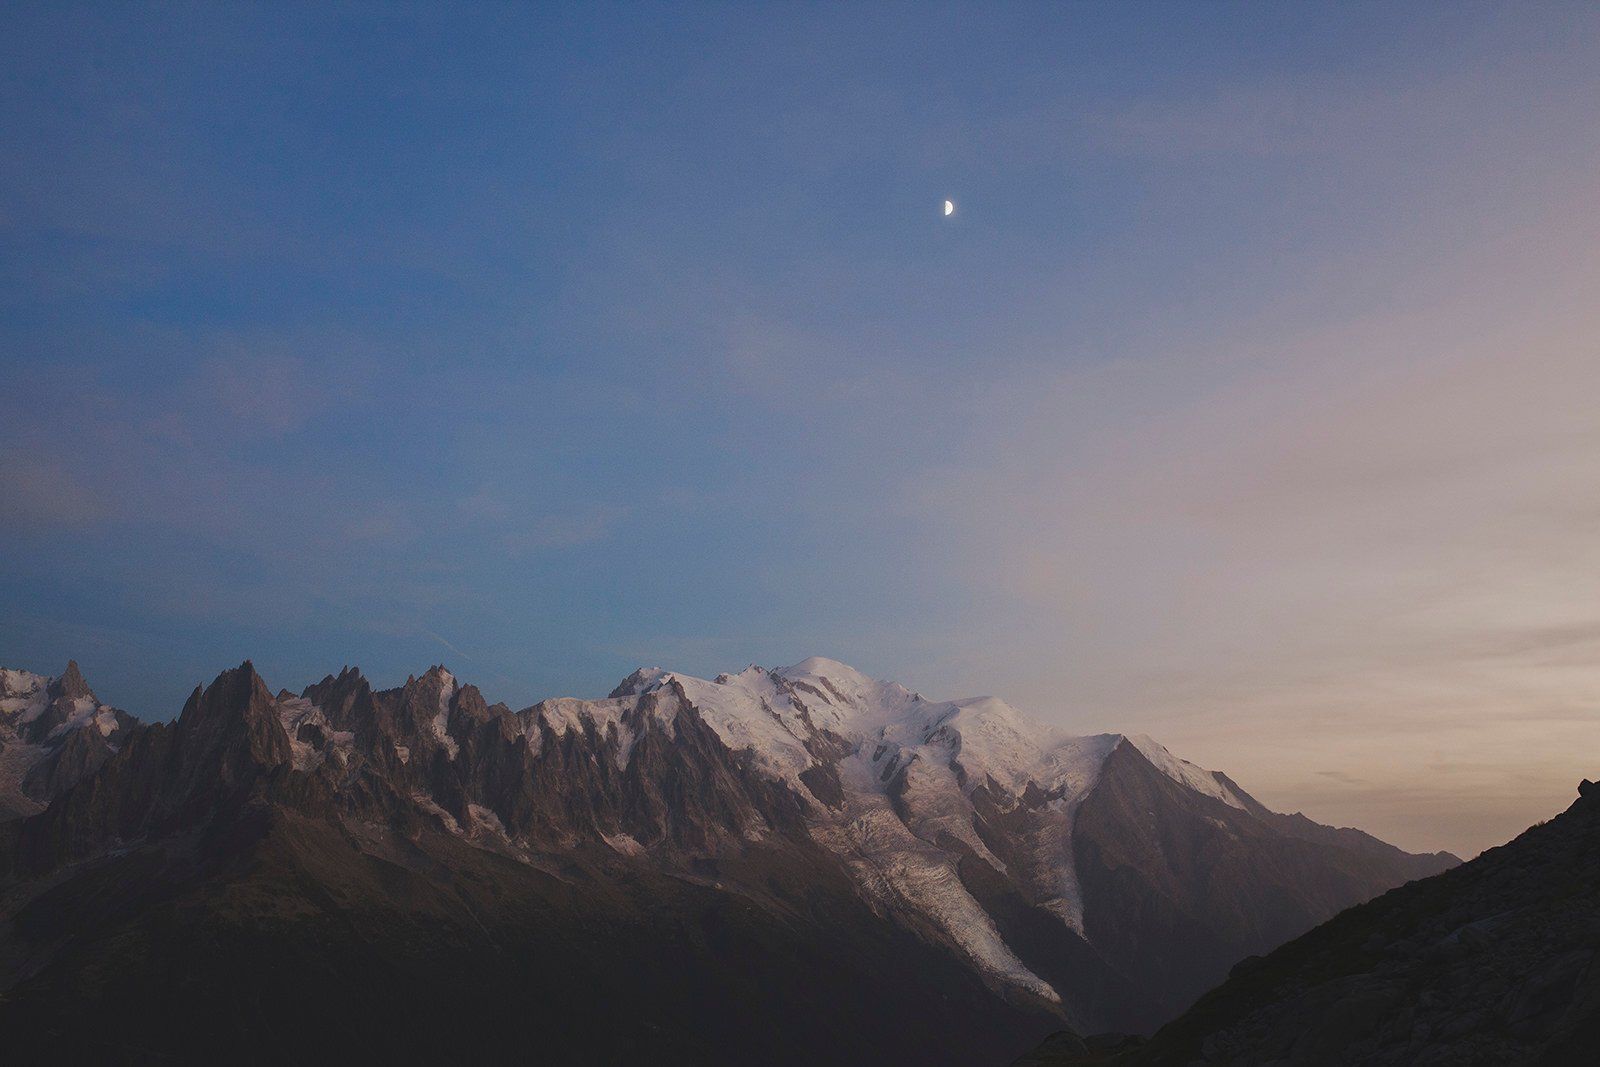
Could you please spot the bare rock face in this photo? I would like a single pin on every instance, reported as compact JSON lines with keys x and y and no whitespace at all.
{"x":1491,"y":962}
{"x":787,"y":866}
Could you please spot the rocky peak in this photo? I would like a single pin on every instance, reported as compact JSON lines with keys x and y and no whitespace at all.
{"x":637,"y":682}
{"x":231,"y":728}
{"x":58,"y":732}
{"x":70,"y":685}
{"x":470,"y":706}
{"x":238,"y":693}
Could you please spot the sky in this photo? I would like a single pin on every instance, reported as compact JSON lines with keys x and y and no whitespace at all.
{"x":1248,"y":399}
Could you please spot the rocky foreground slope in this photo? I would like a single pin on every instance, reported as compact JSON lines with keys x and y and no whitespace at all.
{"x":790,"y":866}
{"x":1491,"y":963}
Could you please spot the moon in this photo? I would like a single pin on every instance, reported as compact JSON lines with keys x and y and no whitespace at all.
{"x":949,"y":208}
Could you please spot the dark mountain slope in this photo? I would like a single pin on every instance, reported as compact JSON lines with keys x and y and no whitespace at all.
{"x":1489,"y":963}
{"x":304,"y":944}
{"x":1179,"y":884}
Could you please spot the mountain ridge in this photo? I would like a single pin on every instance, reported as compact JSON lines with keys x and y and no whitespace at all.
{"x":1006,"y":849}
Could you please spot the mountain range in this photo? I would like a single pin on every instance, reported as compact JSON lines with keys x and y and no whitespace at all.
{"x":775,"y":866}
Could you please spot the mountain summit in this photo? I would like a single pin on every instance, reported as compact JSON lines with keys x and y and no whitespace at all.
{"x":692,"y":854}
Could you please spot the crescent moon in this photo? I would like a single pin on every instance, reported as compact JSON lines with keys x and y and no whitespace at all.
{"x":949,"y":208}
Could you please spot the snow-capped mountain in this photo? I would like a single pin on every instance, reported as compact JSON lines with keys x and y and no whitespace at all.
{"x":53,"y":731}
{"x":892,"y":783}
{"x":682,"y":833}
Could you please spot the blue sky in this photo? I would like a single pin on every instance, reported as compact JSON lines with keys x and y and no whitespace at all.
{"x":1244,"y":399}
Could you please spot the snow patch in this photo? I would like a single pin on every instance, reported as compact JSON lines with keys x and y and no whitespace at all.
{"x":293,"y":712}
{"x":901,"y":871}
{"x":750,"y":714}
{"x":566,"y":714}
{"x":1183,"y":772}
{"x":81,"y":712}
{"x":441,"y":719}
{"x":23,"y":694}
